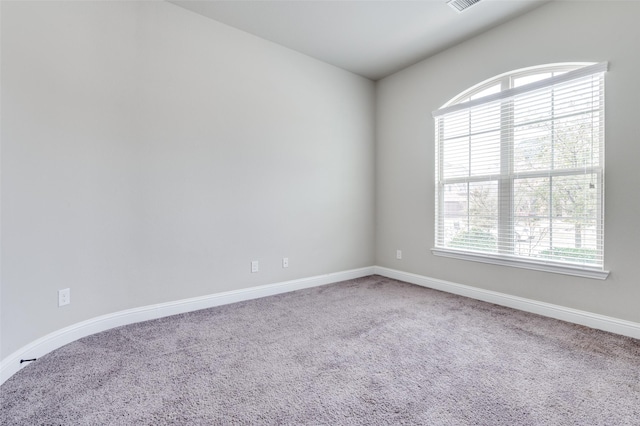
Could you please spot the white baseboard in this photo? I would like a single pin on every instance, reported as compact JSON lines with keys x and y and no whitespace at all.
{"x":600,"y":322}
{"x":11,"y":364}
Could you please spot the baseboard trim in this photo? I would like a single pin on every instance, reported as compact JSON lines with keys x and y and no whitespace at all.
{"x":11,"y":364}
{"x":600,"y":322}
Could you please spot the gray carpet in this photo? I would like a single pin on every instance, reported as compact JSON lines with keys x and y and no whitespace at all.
{"x":371,"y":351}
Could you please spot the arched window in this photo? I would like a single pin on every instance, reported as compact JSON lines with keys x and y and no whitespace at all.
{"x":520,"y":170}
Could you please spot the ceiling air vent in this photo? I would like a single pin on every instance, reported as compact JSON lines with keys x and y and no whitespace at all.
{"x":460,"y":5}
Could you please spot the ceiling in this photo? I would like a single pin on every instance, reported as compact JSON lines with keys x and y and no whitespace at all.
{"x":371,"y":38}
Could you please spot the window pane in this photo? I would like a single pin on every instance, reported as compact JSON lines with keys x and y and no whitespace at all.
{"x":532,"y":147}
{"x":483,"y":206}
{"x":576,"y":96}
{"x":456,"y":158}
{"x":575,"y":213}
{"x":577,"y":142}
{"x":533,"y":107}
{"x":485,"y":118}
{"x":479,"y":231}
{"x":455,"y":125}
{"x":531,"y":227}
{"x":455,"y":212}
{"x":485,"y":154}
{"x":521,"y":81}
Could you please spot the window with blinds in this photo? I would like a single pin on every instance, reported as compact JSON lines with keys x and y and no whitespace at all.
{"x":520,"y":171}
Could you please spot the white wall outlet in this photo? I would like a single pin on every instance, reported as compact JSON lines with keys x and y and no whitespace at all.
{"x":398,"y":254}
{"x":285,"y":262}
{"x":64,"y":297}
{"x":255,"y":266}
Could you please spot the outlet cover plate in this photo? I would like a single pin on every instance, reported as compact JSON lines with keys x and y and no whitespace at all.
{"x":64,"y":297}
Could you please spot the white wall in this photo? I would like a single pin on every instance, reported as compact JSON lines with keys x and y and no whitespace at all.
{"x":149,"y":154}
{"x":556,"y":32}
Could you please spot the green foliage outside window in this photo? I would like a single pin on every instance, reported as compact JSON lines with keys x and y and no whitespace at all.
{"x":475,"y":239}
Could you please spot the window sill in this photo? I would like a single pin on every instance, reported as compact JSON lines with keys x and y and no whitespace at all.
{"x":556,"y":268}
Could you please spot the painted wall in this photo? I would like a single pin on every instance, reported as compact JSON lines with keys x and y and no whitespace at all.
{"x":149,"y":154}
{"x":556,"y":32}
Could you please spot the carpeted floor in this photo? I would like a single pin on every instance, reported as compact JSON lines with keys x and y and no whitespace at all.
{"x":371,"y":351}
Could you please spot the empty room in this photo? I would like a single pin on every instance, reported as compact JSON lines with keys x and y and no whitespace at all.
{"x":319,"y":212}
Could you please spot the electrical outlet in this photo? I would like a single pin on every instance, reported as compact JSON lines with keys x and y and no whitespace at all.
{"x":398,"y":254}
{"x":285,"y":262}
{"x":64,"y":297}
{"x":255,"y":266}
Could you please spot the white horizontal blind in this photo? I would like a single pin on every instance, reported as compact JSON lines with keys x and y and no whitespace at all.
{"x":520,"y":173}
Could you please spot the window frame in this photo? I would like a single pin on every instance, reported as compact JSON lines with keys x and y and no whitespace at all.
{"x":506,"y":181}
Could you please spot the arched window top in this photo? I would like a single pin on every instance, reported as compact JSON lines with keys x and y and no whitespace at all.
{"x":520,"y":170}
{"x":514,"y":79}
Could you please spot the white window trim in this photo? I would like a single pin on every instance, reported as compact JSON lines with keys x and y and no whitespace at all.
{"x":455,"y":104}
{"x":578,"y":271}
